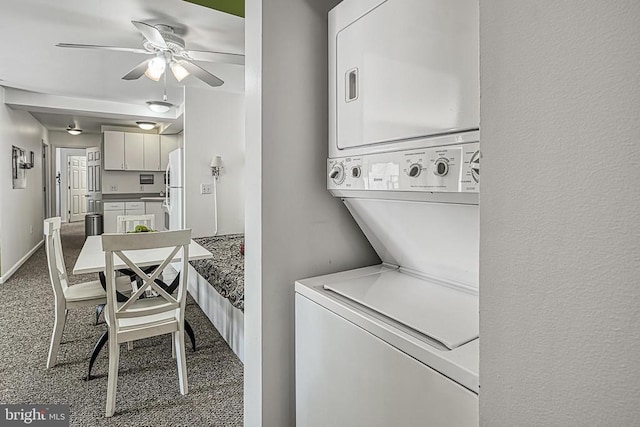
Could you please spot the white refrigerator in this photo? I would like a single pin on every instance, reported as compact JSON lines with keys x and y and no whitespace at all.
{"x":174,"y":195}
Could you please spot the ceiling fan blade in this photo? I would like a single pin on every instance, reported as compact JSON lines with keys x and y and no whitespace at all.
{"x":203,"y":55}
{"x":94,"y":46}
{"x":151,"y":33}
{"x":137,"y":71}
{"x":201,"y":73}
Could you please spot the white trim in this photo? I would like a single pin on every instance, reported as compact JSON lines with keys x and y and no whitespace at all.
{"x":18,"y":264}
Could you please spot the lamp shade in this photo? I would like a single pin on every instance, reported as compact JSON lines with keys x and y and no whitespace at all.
{"x":216,"y":162}
{"x":74,"y":130}
{"x":146,"y":125}
{"x":159,"y":106}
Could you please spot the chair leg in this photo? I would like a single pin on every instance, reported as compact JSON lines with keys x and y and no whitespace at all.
{"x":173,"y":347}
{"x":96,"y":350}
{"x":112,"y":382}
{"x":189,"y":331}
{"x":178,"y":342}
{"x":56,"y":335}
{"x":99,"y":309}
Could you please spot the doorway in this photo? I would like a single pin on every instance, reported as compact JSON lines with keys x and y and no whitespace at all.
{"x":77,"y":188}
{"x":72,"y":183}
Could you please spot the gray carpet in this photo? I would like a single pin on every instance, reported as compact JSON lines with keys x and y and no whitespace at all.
{"x":148,"y":392}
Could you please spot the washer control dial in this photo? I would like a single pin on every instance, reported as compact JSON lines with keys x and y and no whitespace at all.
{"x":441,"y":167}
{"x":337,"y":173}
{"x":475,"y":166}
{"x":356,"y":171}
{"x":414,"y":170}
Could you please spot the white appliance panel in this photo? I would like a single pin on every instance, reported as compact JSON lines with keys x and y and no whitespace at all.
{"x":346,"y":376}
{"x":174,"y":168}
{"x":439,"y":240}
{"x":402,"y":70}
{"x":174,"y":206}
{"x":442,"y":313}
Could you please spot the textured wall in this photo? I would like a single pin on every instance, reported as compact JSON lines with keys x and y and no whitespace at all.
{"x":21,"y":210}
{"x":294,"y":228}
{"x":560,"y":206}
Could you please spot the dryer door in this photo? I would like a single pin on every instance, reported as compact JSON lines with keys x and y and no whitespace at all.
{"x":406,"y":69}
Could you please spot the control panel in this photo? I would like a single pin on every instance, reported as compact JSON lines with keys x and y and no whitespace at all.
{"x":451,"y":168}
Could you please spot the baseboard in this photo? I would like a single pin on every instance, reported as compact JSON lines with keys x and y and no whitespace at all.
{"x":22,"y":260}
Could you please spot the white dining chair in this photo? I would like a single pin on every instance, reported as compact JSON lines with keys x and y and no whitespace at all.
{"x":127,"y":223}
{"x":69,"y":296}
{"x":139,"y":318}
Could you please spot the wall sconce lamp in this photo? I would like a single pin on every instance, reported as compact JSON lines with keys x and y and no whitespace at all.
{"x":216,"y":165}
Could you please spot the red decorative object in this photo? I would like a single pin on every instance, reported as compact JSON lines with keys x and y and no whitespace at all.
{"x":242,"y":248}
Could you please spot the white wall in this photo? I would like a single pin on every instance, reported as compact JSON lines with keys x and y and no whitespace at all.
{"x":21,"y":210}
{"x":214,"y":125}
{"x":294,"y":228}
{"x":560,"y":231}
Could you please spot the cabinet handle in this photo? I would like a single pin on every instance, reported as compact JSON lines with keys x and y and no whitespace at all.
{"x":121,"y":165}
{"x":126,"y":166}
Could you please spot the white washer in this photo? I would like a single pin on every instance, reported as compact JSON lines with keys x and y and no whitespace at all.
{"x":397,"y":343}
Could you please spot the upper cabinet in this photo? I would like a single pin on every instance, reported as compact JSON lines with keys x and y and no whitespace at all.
{"x":137,"y":151}
{"x":133,"y":151}
{"x":113,"y":150}
{"x":151,"y":151}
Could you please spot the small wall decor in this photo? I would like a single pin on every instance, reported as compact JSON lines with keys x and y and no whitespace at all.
{"x":19,"y":166}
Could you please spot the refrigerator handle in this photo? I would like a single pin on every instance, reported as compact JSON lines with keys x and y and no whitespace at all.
{"x":166,"y":186}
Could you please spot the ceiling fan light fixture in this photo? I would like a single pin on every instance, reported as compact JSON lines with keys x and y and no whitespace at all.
{"x":156,"y":68}
{"x":179,"y":72}
{"x":159,"y":106}
{"x":74,"y":130}
{"x":146,"y":125}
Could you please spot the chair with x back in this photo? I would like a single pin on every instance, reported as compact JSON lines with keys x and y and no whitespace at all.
{"x":127,"y":223}
{"x":139,"y":318}
{"x":68,"y":296}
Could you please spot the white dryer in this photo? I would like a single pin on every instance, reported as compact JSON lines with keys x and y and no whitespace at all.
{"x":397,"y":343}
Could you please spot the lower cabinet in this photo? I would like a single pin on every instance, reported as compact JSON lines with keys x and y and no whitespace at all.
{"x":113,"y":209}
{"x":155,"y":208}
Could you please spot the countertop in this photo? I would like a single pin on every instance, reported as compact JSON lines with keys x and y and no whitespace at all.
{"x":132,"y":197}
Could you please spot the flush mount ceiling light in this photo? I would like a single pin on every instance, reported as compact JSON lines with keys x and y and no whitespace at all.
{"x":73,"y":130}
{"x":146,"y":125}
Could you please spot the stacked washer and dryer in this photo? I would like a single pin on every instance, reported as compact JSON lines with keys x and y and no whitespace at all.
{"x":397,"y":343}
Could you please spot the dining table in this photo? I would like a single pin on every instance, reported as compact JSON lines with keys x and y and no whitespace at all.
{"x":92,"y":260}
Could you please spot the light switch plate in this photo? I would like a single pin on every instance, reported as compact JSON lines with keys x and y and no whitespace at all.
{"x":205,"y":188}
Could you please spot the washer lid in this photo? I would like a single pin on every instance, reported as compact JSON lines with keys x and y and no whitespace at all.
{"x":444,"y":314}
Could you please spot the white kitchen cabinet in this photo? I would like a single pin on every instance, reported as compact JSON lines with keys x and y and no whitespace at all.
{"x":113,"y":150}
{"x":113,"y":209}
{"x":151,"y":143}
{"x":123,"y":151}
{"x":155,"y":209}
{"x":168,"y":143}
{"x":110,"y":216}
{"x":133,"y":151}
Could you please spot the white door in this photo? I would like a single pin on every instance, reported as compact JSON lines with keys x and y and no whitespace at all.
{"x":94,"y":178}
{"x":77,"y":187}
{"x":133,"y":151}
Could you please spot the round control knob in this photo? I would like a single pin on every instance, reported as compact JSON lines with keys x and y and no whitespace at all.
{"x":475,"y":166}
{"x":337,"y":173}
{"x":441,"y":167}
{"x":414,"y":170}
{"x":356,"y":171}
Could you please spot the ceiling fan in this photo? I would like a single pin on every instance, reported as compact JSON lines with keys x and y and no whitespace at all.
{"x":169,"y":50}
